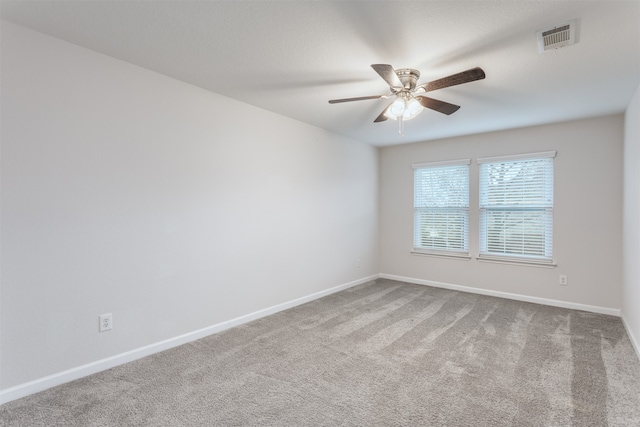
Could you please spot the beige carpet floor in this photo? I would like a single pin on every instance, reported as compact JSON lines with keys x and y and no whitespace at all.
{"x":384,"y":353}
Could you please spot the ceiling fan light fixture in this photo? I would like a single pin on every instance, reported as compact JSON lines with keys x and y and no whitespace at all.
{"x":413,"y":109}
{"x":407,"y":109}
{"x":398,"y":107}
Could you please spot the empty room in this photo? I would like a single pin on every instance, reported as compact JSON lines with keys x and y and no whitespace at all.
{"x":305,"y":213}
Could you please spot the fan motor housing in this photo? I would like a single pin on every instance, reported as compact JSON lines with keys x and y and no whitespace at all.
{"x":408,"y":77}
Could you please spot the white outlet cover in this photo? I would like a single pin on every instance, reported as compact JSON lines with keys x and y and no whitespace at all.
{"x":106,"y":322}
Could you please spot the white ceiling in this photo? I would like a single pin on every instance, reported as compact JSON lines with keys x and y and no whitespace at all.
{"x":291,"y":57}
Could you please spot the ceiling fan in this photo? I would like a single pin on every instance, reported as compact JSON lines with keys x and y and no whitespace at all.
{"x":408,"y":98}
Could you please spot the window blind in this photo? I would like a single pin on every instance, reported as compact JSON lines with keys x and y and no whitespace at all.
{"x":441,"y":207}
{"x":516,"y":207}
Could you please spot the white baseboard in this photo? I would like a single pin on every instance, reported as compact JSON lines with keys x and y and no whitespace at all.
{"x":632,"y":338}
{"x":40,"y":384}
{"x":507,"y":295}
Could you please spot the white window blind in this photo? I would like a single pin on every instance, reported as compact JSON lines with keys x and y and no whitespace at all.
{"x":441,"y":208}
{"x":516,"y":207}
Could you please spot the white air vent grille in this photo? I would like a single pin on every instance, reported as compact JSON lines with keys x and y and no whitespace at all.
{"x":559,"y":36}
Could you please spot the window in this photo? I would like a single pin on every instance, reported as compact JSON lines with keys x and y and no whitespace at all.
{"x":516,"y":207}
{"x":441,"y":208}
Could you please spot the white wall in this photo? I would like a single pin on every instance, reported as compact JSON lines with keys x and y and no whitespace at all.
{"x":587,"y":213}
{"x":128,"y":192}
{"x":631,"y":223}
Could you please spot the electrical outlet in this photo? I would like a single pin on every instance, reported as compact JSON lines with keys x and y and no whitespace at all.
{"x":563,"y":280}
{"x":106,"y":322}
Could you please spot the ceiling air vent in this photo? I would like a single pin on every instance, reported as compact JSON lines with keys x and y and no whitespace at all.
{"x":559,"y":36}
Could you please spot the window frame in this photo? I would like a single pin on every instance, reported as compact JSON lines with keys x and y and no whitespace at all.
{"x":452,"y":253}
{"x":538,"y":260}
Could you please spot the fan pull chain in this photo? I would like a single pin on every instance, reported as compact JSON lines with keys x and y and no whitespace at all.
{"x":401,"y":126}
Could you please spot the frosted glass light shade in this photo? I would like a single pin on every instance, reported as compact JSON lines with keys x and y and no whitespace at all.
{"x":408,"y":109}
{"x":413,"y":109}
{"x":398,"y":107}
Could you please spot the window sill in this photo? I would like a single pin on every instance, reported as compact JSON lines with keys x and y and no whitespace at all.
{"x":452,"y":255}
{"x":517,"y":261}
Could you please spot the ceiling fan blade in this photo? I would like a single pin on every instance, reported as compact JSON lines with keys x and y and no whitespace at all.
{"x":437,"y":105}
{"x":454,"y":79}
{"x":360,"y":98}
{"x":382,"y":117}
{"x":389,"y":75}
